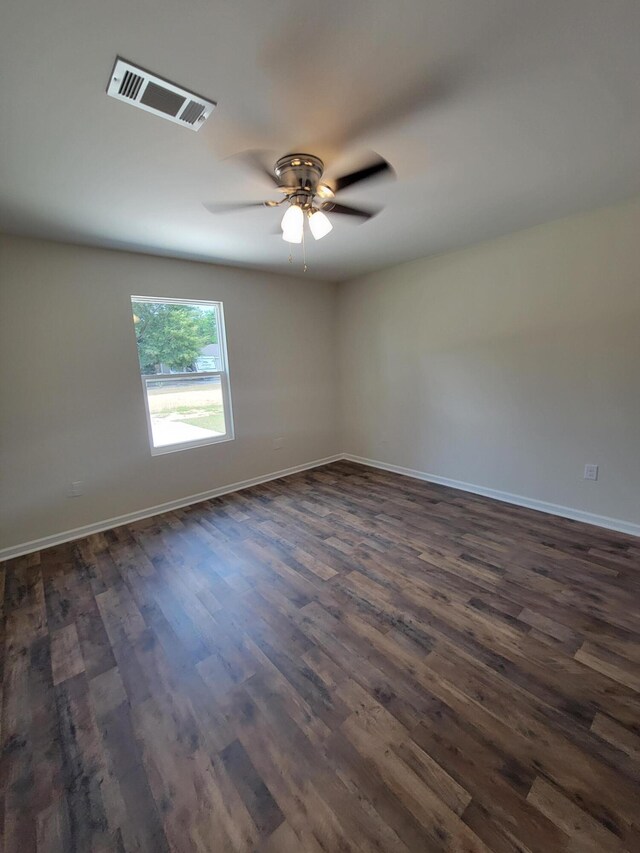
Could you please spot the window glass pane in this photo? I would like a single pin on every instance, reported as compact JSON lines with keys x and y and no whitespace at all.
{"x":183,"y":410}
{"x":179,"y":341}
{"x":177,"y":338}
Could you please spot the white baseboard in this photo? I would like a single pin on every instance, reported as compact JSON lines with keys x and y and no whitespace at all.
{"x":118,"y":520}
{"x":519,"y":500}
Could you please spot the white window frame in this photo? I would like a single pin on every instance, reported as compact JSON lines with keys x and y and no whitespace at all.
{"x":223,"y":373}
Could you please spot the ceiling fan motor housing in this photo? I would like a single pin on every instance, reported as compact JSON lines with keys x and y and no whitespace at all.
{"x":301,"y":172}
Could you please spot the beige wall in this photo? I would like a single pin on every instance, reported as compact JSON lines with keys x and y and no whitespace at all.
{"x":508,"y":365}
{"x":71,"y":405}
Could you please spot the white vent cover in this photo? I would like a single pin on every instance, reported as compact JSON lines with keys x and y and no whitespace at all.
{"x":149,"y":92}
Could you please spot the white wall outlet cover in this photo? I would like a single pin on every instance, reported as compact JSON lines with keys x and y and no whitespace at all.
{"x":75,"y":489}
{"x":590,"y":472}
{"x":278,"y":443}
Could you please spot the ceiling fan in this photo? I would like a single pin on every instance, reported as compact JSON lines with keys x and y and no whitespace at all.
{"x":306,"y":195}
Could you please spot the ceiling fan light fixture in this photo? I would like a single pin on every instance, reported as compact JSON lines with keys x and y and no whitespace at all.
{"x":292,"y":236}
{"x":293,"y":224}
{"x":293,"y":219}
{"x":319,"y":224}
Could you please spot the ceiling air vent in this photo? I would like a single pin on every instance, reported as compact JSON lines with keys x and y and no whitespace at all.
{"x":161,"y":97}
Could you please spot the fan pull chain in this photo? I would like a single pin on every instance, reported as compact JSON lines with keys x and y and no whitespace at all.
{"x":304,"y":253}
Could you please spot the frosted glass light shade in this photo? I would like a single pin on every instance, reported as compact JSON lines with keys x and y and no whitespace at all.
{"x":319,"y":224}
{"x":292,"y":236}
{"x":293,"y":219}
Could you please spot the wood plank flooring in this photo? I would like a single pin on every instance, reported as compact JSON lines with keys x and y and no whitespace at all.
{"x":343,"y":660}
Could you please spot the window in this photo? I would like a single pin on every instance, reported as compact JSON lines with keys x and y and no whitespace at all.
{"x":183,"y":365}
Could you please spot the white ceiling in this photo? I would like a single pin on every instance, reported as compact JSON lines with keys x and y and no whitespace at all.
{"x":496,"y":114}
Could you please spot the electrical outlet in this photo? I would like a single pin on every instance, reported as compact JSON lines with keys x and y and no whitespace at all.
{"x":76,"y":488}
{"x":278,"y":443}
{"x":591,"y":472}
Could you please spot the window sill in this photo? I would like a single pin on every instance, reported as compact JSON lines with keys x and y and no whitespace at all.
{"x":190,"y":445}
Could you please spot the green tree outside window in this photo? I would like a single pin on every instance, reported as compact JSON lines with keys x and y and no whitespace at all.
{"x":172,"y":335}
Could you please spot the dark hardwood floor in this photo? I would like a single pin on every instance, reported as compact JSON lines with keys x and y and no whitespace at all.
{"x":341,"y":660}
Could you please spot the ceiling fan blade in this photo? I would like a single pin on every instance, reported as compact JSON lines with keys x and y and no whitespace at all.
{"x":347,"y":210}
{"x":229,"y":207}
{"x":378,"y":167}
{"x":255,"y":160}
{"x":432,"y":89}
